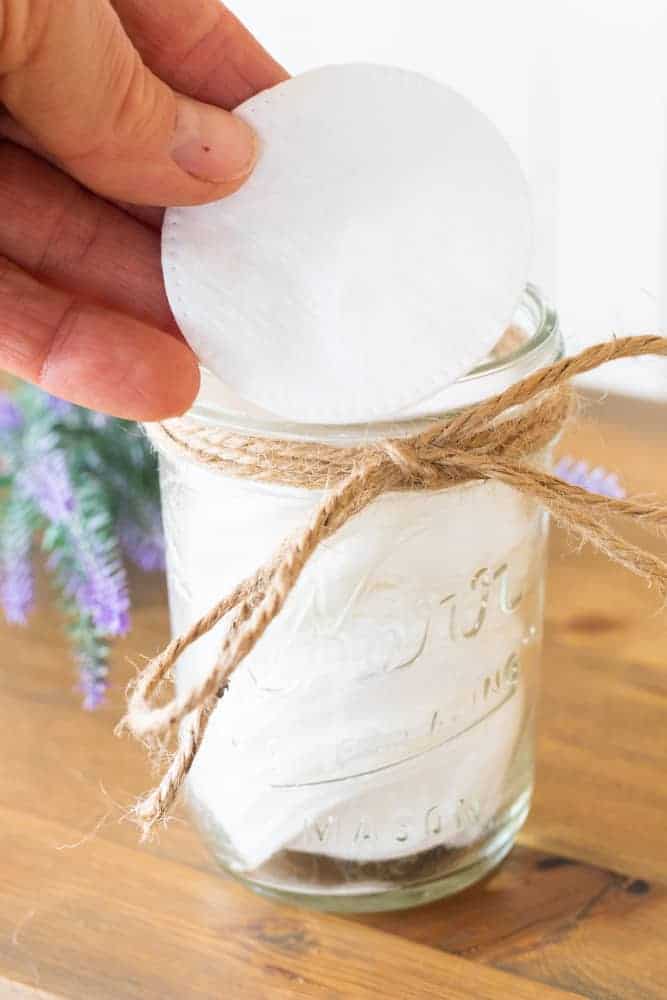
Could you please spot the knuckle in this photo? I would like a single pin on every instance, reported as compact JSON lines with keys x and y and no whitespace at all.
{"x":23,"y":27}
{"x":135,"y":112}
{"x":64,"y":328}
{"x":127,"y":107}
{"x":7,"y":269}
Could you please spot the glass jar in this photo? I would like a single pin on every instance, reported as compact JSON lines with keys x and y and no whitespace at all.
{"x":375,"y":750}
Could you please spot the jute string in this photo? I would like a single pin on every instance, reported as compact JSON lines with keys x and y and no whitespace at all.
{"x":492,"y":440}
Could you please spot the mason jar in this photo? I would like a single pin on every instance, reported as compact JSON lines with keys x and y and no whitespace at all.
{"x":375,"y":750}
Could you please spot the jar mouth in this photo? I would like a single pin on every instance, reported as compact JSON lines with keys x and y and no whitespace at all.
{"x":541,"y":344}
{"x":544,"y":320}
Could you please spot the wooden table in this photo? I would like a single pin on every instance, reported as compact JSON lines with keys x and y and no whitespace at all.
{"x":578,"y":910}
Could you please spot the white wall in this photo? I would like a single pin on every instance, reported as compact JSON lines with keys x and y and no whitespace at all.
{"x":579,"y":88}
{"x":612,"y":222}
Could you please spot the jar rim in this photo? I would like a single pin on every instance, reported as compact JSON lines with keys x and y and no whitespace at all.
{"x":543,"y":345}
{"x":546,"y":325}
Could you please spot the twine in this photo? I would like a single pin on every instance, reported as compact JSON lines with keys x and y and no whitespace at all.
{"x":492,"y":440}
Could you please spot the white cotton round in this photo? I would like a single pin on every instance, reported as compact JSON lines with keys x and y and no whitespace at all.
{"x":374,"y":256}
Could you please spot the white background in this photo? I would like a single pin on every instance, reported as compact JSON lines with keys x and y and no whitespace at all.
{"x":579,"y":88}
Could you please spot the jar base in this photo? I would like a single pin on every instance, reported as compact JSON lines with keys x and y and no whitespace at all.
{"x":478,"y":862}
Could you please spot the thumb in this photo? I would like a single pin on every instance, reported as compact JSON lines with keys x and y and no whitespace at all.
{"x":71,"y":76}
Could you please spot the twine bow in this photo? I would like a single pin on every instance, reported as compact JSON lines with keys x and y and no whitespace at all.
{"x":489,"y":441}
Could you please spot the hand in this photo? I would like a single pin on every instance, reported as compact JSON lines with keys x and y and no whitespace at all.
{"x":110,"y":105}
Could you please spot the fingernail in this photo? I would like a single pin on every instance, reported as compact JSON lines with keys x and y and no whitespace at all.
{"x":211,"y":144}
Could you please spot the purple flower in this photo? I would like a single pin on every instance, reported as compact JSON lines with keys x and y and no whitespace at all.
{"x":144,"y":543}
{"x":93,"y":685}
{"x":11,"y":417}
{"x":87,"y":557}
{"x":597,"y":480}
{"x":95,"y":579}
{"x":46,"y":481}
{"x":104,"y":596}
{"x":17,"y":589}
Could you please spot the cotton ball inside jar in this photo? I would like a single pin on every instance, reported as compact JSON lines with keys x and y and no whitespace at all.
{"x":374,"y":256}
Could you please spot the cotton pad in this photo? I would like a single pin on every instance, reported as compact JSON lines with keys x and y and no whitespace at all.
{"x":375,"y":254}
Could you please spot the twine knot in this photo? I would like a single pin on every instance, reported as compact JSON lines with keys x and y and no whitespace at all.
{"x":405,"y":456}
{"x":496,"y":439}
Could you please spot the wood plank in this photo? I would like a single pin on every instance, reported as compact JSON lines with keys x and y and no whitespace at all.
{"x":63,"y":764}
{"x":556,"y":921}
{"x":602,"y":755}
{"x":116,"y":923}
{"x":600,"y":798}
{"x":85,"y":912}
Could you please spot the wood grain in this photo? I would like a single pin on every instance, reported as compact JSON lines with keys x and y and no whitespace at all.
{"x":601,"y":793}
{"x":106,"y":921}
{"x":87,"y":913}
{"x":556,"y":921}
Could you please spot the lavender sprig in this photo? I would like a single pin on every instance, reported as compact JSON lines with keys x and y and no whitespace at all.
{"x":11,"y":418}
{"x":91,"y":651}
{"x":85,"y":485}
{"x":141,"y":535}
{"x":596,"y":480}
{"x":17,"y":585}
{"x":84,"y":551}
{"x":46,"y":481}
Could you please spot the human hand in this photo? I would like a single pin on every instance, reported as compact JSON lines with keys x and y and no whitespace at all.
{"x":92,"y":129}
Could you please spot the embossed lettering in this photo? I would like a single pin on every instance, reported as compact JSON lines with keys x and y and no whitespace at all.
{"x":364,"y":833}
{"x":403,"y":832}
{"x":481,"y":586}
{"x":321,"y":829}
{"x":450,"y":602}
{"x":480,"y":583}
{"x":504,"y":679}
{"x":433,"y":821}
{"x":507,"y":605}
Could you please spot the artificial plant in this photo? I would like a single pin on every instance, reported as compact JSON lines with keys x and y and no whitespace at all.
{"x":82,"y":488}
